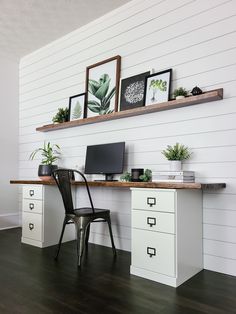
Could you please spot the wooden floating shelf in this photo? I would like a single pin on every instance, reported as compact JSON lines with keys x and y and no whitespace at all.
{"x":212,"y":95}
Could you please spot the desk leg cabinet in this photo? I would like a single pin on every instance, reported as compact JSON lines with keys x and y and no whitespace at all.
{"x":166,"y":234}
{"x":42,"y":216}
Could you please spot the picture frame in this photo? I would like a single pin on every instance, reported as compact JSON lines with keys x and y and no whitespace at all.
{"x":77,"y":107}
{"x":132,"y":91}
{"x":102,"y":87}
{"x":158,"y":87}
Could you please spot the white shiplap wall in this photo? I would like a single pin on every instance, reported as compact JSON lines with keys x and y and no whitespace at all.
{"x":195,"y":38}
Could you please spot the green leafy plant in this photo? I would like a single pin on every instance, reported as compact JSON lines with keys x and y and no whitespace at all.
{"x":99,"y":89}
{"x":126,"y":176}
{"x":77,"y":111}
{"x":180,"y":92}
{"x":50,"y":153}
{"x":61,"y":116}
{"x":147,"y":176}
{"x":177,"y":152}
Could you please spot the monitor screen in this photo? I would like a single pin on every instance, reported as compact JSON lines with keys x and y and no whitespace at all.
{"x":105,"y":158}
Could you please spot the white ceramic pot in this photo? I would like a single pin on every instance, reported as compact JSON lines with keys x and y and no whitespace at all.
{"x":179,"y":97}
{"x":175,"y":165}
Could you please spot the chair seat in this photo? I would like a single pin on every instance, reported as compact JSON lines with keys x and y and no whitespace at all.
{"x":87,"y":211}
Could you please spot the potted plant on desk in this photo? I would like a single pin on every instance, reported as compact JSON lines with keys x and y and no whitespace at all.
{"x":176,"y":154}
{"x":50,"y":154}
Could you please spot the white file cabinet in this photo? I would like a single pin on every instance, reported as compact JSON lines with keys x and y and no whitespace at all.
{"x":166,"y":234}
{"x":42,"y":216}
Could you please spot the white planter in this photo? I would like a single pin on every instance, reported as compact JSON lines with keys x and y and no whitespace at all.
{"x":175,"y":165}
{"x":179,"y":97}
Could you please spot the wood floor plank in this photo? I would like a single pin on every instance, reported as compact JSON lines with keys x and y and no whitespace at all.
{"x":32,"y":282}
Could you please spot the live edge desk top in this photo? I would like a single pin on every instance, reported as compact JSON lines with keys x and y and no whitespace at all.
{"x":119,"y":184}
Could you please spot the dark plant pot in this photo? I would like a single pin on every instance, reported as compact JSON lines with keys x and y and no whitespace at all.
{"x":45,"y":171}
{"x":135,"y":173}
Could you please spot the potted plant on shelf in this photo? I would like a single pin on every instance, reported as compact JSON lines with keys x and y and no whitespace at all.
{"x":145,"y":177}
{"x":50,"y":154}
{"x":180,"y":93}
{"x":176,"y":154}
{"x":61,"y":116}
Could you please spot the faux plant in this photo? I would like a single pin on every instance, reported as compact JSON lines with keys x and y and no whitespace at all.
{"x":177,"y":152}
{"x":147,"y":176}
{"x":126,"y":176}
{"x":50,"y":153}
{"x":61,"y":116}
{"x":180,"y":92}
{"x":100,"y":90}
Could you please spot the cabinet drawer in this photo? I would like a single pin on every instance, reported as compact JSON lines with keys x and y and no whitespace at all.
{"x":32,"y":206}
{"x":33,"y":192}
{"x":153,"y":200}
{"x":153,"y":221}
{"x":153,"y":251}
{"x":32,"y":226}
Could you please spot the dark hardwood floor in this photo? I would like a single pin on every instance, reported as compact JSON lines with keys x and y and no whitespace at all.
{"x":32,"y":282}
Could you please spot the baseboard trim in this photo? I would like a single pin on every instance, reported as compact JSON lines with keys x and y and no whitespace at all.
{"x":9,"y":220}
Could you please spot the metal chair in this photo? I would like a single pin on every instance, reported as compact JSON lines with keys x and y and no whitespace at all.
{"x":81,"y":217}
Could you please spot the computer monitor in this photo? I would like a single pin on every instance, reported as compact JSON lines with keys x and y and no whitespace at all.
{"x":107,"y":159}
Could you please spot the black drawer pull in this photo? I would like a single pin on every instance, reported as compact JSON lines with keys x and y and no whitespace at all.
{"x":151,"y":251}
{"x":31,"y":192}
{"x":31,"y":206}
{"x":31,"y":226}
{"x":151,"y":201}
{"x":151,"y":221}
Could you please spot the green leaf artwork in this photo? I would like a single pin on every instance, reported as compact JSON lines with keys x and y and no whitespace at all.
{"x":156,"y":85}
{"x":100,"y":90}
{"x":77,"y":111}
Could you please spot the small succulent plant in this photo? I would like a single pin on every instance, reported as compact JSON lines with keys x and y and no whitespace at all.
{"x":61,"y":116}
{"x":180,"y":92}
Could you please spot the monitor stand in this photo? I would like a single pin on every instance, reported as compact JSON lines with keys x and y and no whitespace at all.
{"x":108,"y":177}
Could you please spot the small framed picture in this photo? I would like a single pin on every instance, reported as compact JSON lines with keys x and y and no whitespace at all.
{"x":102,"y":87}
{"x":76,"y":107}
{"x":132,"y":91}
{"x":157,"y":87}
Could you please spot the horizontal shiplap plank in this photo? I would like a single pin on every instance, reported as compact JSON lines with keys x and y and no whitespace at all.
{"x":220,"y":249}
{"x":219,"y":201}
{"x":219,"y":264}
{"x":219,"y":233}
{"x":220,"y":217}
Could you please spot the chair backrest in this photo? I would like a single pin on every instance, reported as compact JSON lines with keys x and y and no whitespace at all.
{"x":64,"y":179}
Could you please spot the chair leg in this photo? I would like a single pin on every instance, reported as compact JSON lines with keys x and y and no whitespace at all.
{"x":81,"y":226}
{"x":87,"y":236}
{"x":61,"y":236}
{"x":108,"y":219}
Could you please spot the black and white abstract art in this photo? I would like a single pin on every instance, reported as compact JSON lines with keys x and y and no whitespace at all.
{"x":132,"y":91}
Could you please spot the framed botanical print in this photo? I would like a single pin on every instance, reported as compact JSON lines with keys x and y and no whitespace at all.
{"x":132,"y":91}
{"x":102,"y":87}
{"x":76,"y":107}
{"x":158,"y":87}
